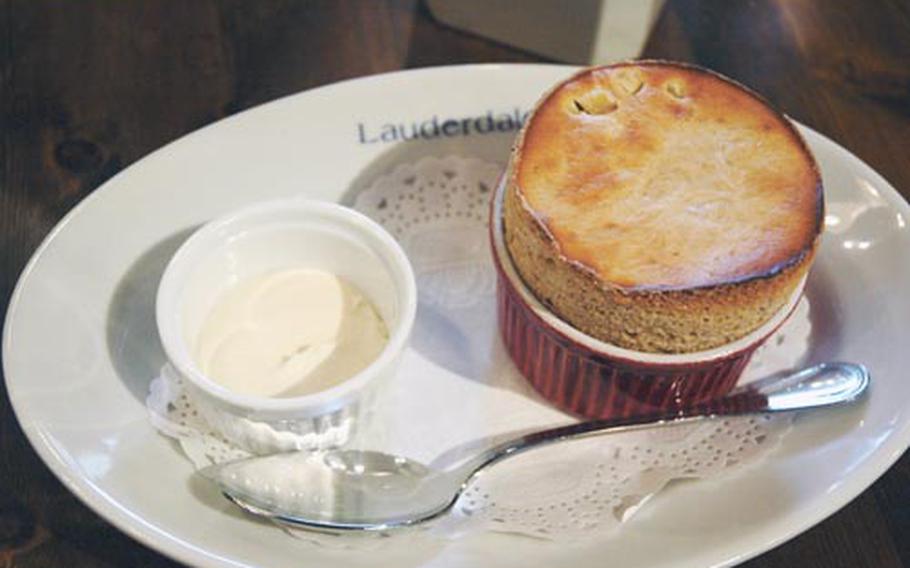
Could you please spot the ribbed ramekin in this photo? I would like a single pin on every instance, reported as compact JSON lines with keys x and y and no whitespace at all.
{"x":594,"y":379}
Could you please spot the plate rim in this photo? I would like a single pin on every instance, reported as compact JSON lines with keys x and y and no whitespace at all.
{"x":163,"y":542}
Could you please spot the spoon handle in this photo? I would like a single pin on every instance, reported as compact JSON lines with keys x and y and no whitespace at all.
{"x":822,"y":385}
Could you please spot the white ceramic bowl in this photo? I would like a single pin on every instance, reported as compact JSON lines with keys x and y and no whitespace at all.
{"x":264,"y":238}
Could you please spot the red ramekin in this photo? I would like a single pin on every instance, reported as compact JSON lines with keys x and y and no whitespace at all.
{"x":594,"y":379}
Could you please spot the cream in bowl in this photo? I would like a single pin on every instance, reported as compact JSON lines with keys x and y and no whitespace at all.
{"x":284,"y":319}
{"x":289,"y":333}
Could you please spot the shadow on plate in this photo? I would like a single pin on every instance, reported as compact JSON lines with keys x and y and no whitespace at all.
{"x":825,"y":337}
{"x":132,"y":334}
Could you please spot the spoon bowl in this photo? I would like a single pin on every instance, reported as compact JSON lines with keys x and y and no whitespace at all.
{"x":341,"y":489}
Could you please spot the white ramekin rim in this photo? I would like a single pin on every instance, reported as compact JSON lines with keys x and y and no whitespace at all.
{"x":565,"y":329}
{"x":216,"y":232}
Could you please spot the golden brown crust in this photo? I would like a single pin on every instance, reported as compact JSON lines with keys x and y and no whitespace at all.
{"x":690,"y":292}
{"x":662,"y":176}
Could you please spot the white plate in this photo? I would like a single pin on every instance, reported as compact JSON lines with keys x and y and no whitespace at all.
{"x":80,"y":343}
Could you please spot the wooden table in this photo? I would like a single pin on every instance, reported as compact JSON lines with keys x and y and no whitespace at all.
{"x":89,"y":87}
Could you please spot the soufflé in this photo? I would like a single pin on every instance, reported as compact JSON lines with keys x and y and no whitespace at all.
{"x":661,"y":207}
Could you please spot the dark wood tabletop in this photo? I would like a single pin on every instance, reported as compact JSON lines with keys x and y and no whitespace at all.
{"x":89,"y":87}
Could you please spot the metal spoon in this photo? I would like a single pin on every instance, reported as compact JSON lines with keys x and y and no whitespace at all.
{"x":368,"y":490}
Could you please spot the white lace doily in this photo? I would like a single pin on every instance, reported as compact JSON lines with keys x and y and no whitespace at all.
{"x":209,"y":435}
{"x":457,"y":387}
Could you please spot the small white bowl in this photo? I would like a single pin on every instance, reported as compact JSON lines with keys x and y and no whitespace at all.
{"x":274,"y":236}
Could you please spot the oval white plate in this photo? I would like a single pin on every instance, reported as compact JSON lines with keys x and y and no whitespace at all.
{"x":80,"y":345}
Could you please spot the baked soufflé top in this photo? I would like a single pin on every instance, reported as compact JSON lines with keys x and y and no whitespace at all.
{"x":667,"y":177}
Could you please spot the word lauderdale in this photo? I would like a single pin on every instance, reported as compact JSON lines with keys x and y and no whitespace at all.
{"x":435,"y":127}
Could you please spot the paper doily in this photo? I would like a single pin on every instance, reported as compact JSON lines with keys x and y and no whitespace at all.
{"x":457,"y":387}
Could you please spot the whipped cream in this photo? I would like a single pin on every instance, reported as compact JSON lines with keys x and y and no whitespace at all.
{"x":289,"y":333}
